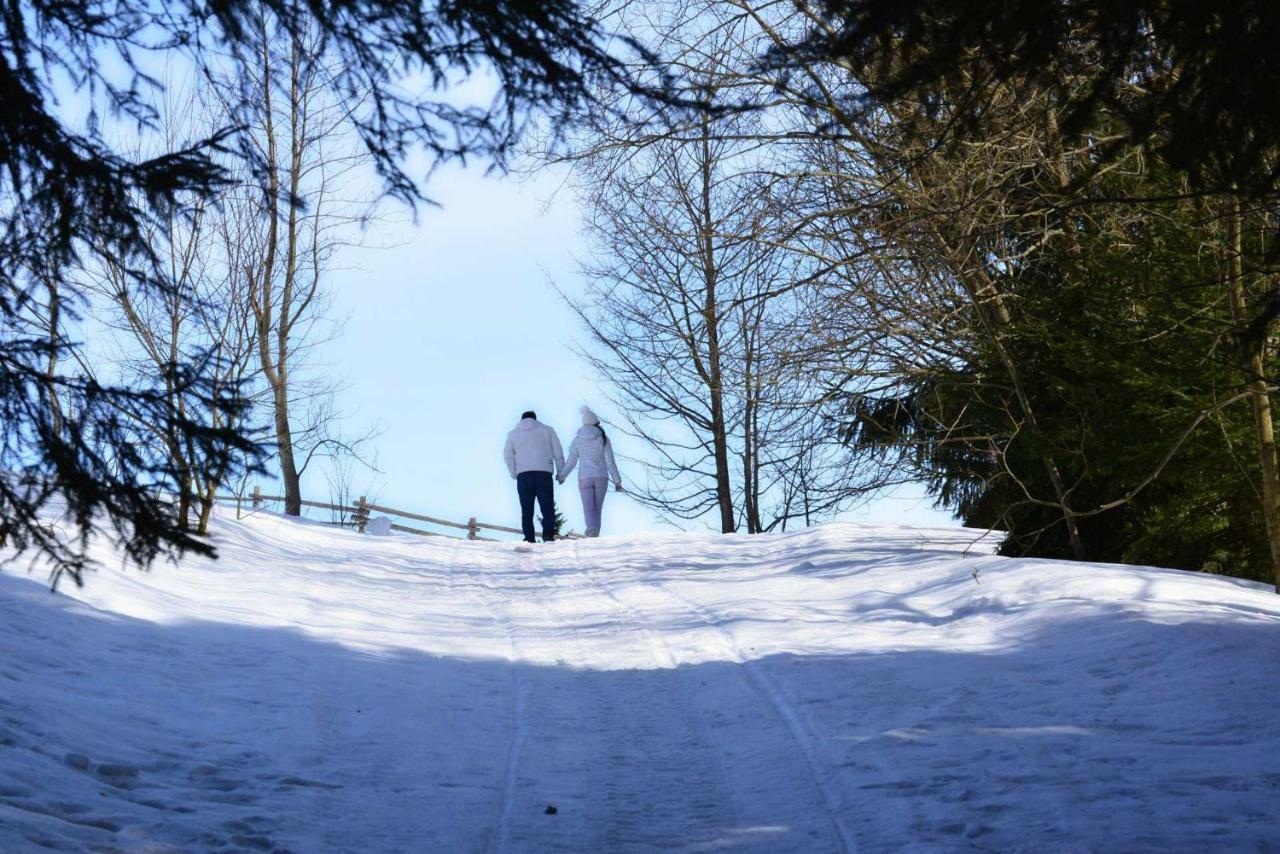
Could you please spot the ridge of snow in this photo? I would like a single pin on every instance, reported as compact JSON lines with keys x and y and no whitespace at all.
{"x":838,"y":688}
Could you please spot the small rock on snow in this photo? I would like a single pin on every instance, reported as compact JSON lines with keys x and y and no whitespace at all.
{"x":117,"y":770}
{"x":77,"y":760}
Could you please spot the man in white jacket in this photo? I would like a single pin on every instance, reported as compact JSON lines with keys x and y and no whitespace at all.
{"x":534,"y":456}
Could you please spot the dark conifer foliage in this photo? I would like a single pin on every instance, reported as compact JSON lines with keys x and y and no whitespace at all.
{"x":72,"y":73}
{"x":1193,"y":79}
{"x":1121,"y":405}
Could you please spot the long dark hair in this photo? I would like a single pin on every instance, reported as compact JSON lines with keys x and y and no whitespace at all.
{"x":603,"y":435}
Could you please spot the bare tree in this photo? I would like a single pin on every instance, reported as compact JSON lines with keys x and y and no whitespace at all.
{"x":691,"y":306}
{"x":246,"y":271}
{"x":228,"y":326}
{"x":295,"y":216}
{"x":794,"y":462}
{"x":198,"y":316}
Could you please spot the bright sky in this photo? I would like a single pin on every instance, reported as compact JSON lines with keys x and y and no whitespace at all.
{"x":453,"y":329}
{"x":456,"y":330}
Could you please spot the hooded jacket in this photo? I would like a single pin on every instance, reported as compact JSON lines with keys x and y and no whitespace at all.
{"x":533,"y":446}
{"x":595,"y":456}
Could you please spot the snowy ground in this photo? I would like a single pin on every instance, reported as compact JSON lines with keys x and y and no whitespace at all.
{"x":838,"y":689}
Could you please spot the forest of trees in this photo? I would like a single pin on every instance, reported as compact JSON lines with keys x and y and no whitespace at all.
{"x":1024,"y":256}
{"x":1024,"y":253}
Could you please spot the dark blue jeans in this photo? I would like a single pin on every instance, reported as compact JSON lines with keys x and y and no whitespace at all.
{"x":531,"y":485}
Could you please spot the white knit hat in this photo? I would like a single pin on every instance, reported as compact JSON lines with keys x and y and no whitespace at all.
{"x":589,"y":418}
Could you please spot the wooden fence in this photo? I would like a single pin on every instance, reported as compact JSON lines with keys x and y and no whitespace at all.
{"x":359,"y":516}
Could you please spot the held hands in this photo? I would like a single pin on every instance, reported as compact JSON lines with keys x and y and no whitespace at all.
{"x":617,"y":486}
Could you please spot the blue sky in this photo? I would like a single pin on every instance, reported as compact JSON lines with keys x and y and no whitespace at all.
{"x":455,"y":329}
{"x":451,"y":328}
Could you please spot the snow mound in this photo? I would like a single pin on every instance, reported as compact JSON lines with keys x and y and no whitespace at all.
{"x":833,"y":689}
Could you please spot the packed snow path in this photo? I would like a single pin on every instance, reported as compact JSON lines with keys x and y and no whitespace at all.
{"x":838,"y":689}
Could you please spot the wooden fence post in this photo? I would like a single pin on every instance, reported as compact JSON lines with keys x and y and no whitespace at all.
{"x":362,"y":514}
{"x":473,"y":529}
{"x":257,"y":495}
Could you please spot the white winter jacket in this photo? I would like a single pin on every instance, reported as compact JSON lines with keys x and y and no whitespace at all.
{"x":595,"y":455}
{"x":533,"y":446}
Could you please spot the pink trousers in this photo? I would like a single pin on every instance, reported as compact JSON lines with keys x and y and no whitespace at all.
{"x":593,"y":490}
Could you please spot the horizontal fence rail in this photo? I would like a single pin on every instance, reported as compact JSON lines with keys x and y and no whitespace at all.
{"x":359,"y":515}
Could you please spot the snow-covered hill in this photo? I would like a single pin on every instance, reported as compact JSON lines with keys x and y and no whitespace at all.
{"x":837,"y":689}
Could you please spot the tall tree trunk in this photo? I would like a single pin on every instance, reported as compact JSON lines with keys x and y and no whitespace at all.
{"x":750,"y":489}
{"x":206,"y":509}
{"x":184,"y":503}
{"x":750,"y":425}
{"x":284,"y":443}
{"x":755,"y":470}
{"x":719,"y":431}
{"x":710,"y":312}
{"x":51,"y":364}
{"x":177,"y":401}
{"x":284,"y":328}
{"x":270,"y":317}
{"x":1252,"y":353}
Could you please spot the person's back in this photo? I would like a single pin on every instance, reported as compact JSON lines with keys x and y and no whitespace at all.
{"x":532,"y":455}
{"x":592,"y":454}
{"x":532,"y":446}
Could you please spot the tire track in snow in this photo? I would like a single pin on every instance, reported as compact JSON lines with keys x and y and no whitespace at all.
{"x":764,"y":688}
{"x":499,"y":835}
{"x":657,"y":780}
{"x":670,"y":768}
{"x":659,"y":650}
{"x":782,"y":708}
{"x":774,"y":697}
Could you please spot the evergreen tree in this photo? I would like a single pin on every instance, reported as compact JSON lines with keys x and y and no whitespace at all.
{"x":1125,"y":345}
{"x":71,"y":198}
{"x":1187,"y":83}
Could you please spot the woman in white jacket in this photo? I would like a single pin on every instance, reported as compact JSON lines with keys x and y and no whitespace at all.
{"x":592,"y":454}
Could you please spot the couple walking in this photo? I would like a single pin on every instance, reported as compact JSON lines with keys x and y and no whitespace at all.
{"x":533,"y":455}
